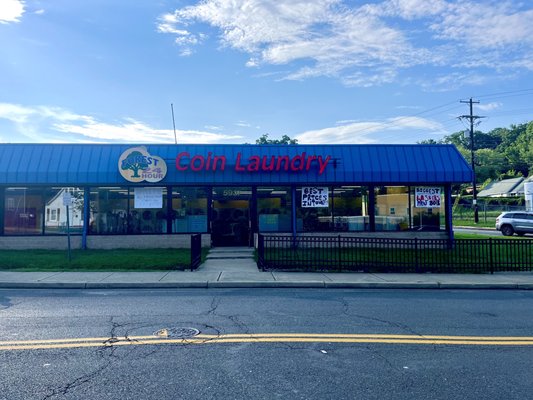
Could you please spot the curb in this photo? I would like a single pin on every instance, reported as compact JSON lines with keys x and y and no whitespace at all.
{"x":265,"y":285}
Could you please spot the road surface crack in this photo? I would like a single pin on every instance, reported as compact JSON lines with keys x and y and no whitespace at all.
{"x":107,"y":352}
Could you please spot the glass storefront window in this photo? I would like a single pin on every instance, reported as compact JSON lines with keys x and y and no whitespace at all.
{"x":147,"y":218}
{"x":231,"y":216}
{"x":115,"y":210}
{"x":189,"y":209}
{"x":392,"y":208}
{"x":350,"y":208}
{"x":109,"y":210}
{"x":428,"y":217}
{"x":23,"y":214}
{"x":56,"y":213}
{"x":274,"y":209}
{"x":314,"y":218}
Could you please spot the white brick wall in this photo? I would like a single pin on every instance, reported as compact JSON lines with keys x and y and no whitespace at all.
{"x":100,"y":242}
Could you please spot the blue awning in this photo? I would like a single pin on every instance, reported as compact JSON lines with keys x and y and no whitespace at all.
{"x":97,"y":164}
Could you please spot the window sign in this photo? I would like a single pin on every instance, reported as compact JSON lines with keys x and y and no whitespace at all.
{"x":428,"y":197}
{"x":315,"y":196}
{"x":148,"y":197}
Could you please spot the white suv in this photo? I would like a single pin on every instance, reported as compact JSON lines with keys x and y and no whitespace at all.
{"x":515,"y":222}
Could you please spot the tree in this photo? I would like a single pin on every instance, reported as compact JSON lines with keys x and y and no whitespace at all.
{"x":134,"y":161}
{"x":284,"y":140}
{"x":428,"y":141}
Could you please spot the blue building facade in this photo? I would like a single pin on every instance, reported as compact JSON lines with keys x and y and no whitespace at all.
{"x":227,"y":192}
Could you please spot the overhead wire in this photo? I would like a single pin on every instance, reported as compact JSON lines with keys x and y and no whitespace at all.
{"x":441,"y":109}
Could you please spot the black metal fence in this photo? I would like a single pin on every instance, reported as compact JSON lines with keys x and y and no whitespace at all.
{"x":196,"y":251}
{"x":341,"y":253}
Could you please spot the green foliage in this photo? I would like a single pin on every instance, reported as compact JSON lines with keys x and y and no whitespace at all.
{"x":284,"y":140}
{"x":498,"y":154}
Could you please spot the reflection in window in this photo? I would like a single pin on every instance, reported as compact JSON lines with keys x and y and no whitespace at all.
{"x":56,"y":212}
{"x":274,"y":209}
{"x":392,"y":208}
{"x":189,"y":209}
{"x":23,"y":214}
{"x":109,"y":210}
{"x":350,"y":207}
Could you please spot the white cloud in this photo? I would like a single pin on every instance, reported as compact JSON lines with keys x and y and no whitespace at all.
{"x":364,"y":132}
{"x":452,"y":81}
{"x":54,"y":124}
{"x":11,"y":11}
{"x":489,"y":106}
{"x":489,"y":25}
{"x":364,"y":44}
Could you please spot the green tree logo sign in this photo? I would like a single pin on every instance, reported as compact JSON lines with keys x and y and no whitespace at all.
{"x":137,"y":165}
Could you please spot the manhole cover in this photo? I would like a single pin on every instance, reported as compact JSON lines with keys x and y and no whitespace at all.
{"x":180,"y":333}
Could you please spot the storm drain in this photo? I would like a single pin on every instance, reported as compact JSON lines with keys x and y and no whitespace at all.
{"x":179,"y":333}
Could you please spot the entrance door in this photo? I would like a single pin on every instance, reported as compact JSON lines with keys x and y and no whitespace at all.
{"x":231,"y":216}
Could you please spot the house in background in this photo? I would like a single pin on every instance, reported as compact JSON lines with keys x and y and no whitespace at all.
{"x":520,"y":189}
{"x":56,"y":212}
{"x":504,"y":188}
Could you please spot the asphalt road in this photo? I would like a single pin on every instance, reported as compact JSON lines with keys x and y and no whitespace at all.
{"x":89,"y":344}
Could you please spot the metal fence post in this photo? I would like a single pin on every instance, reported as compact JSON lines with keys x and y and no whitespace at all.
{"x":339,"y":251}
{"x":416,"y":255}
{"x":491,"y":260}
{"x":261,"y":251}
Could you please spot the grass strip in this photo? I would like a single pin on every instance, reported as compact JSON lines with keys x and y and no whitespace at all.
{"x":96,"y":260}
{"x":477,"y":255}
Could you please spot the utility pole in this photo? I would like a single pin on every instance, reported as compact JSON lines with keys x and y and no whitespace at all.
{"x":174,"y":123}
{"x":472,"y":118}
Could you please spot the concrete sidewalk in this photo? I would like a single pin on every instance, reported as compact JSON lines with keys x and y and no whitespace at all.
{"x":235,"y":277}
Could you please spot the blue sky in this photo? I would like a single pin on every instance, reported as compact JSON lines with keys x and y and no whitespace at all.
{"x":321,"y":71}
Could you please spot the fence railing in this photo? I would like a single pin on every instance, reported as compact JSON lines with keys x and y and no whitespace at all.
{"x":487,"y":212}
{"x":196,"y":251}
{"x":340,"y":253}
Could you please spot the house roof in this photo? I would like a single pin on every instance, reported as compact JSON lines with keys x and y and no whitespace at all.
{"x":519,"y":190}
{"x":505,"y":187}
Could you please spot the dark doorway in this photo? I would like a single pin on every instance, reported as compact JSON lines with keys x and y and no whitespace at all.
{"x":231,"y":216}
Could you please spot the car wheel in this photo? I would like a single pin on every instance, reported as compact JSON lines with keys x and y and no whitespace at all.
{"x":507,"y":230}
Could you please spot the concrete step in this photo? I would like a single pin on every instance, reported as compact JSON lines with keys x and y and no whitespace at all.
{"x":231,"y":250}
{"x":229,"y":256}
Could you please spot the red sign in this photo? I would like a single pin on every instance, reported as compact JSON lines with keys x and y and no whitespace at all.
{"x":297,"y":163}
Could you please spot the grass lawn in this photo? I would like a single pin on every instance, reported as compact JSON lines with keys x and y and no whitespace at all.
{"x":471,"y":253}
{"x":95,"y":260}
{"x":489,"y":223}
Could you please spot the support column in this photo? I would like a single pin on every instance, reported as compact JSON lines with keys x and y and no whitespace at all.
{"x":170,"y":210}
{"x":293,"y":209}
{"x":2,"y":208}
{"x":448,"y":210}
{"x":372,"y":208}
{"x":86,"y":216}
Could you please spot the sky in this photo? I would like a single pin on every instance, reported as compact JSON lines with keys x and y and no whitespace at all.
{"x":320,"y":71}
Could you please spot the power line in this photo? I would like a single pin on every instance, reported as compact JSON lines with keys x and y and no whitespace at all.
{"x":510,"y":92}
